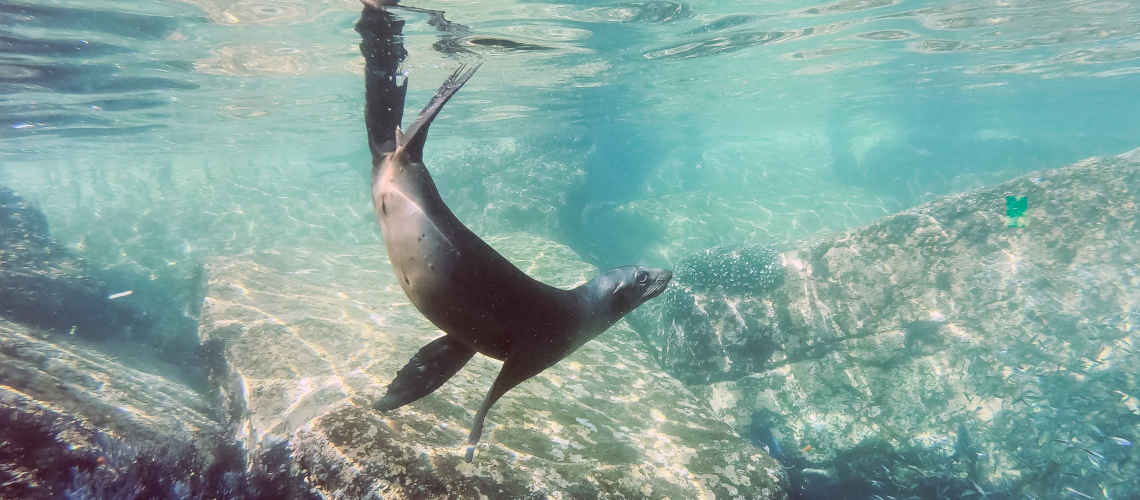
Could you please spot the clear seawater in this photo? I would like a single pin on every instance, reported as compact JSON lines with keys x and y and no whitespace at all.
{"x":156,"y":134}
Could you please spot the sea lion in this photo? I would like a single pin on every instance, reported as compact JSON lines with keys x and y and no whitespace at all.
{"x":479,"y":299}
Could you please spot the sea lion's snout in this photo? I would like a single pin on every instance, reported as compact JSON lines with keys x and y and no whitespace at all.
{"x":659,"y":279}
{"x":623,"y":289}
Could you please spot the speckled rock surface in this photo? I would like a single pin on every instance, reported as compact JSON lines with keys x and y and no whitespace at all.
{"x":709,"y":324}
{"x":313,"y":339}
{"x":940,"y":344}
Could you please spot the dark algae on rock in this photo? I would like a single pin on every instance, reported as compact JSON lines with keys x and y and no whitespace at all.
{"x":45,"y":454}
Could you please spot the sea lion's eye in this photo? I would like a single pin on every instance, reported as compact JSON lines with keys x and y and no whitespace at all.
{"x":642,"y":277}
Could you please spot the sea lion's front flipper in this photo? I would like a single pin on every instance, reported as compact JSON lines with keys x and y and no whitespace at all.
{"x":515,"y":370}
{"x":433,"y":365}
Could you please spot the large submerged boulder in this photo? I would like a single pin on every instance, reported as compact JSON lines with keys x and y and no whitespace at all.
{"x":96,"y":398}
{"x":983,"y":341}
{"x":43,"y":284}
{"x":711,"y":324}
{"x":311,"y":340}
{"x":78,"y":422}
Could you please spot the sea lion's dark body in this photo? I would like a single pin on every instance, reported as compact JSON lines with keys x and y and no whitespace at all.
{"x":483,"y":302}
{"x":454,"y":278}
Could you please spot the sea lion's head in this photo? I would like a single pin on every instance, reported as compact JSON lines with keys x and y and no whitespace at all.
{"x":625,"y":288}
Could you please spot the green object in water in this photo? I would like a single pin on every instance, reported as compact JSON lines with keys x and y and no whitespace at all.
{"x":1015,"y":207}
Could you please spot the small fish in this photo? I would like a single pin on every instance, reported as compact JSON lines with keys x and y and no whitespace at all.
{"x":763,"y":437}
{"x":962,"y":445}
{"x":1075,"y":492}
{"x":119,"y":295}
{"x":979,"y":488}
{"x":1094,"y":456}
{"x":1120,"y":441}
{"x":805,"y":449}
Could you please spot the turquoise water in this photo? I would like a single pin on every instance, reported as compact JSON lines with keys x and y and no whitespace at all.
{"x":156,"y":135}
{"x":185,"y":129}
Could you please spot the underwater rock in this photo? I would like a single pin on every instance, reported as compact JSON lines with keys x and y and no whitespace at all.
{"x":44,"y":285}
{"x":957,"y":345}
{"x":48,"y":454}
{"x":63,"y":405}
{"x":78,"y":424}
{"x":311,"y":340}
{"x":113,"y":392}
{"x":61,"y":393}
{"x":39,"y":448}
{"x":713,"y":318}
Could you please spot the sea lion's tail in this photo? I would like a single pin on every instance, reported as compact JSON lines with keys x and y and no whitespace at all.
{"x":412,"y":141}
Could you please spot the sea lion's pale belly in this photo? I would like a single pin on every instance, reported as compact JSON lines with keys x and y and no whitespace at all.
{"x":438,"y":278}
{"x":422,"y":256}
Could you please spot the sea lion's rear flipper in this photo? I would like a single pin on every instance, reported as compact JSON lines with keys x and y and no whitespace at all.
{"x":433,"y":365}
{"x":413,"y":140}
{"x":515,"y":370}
